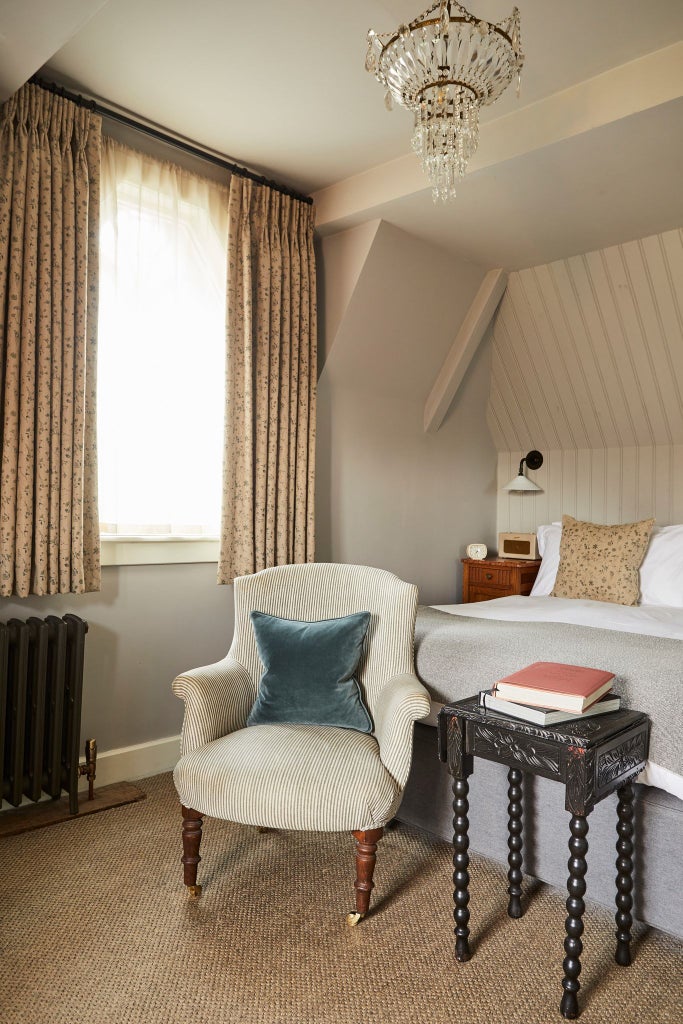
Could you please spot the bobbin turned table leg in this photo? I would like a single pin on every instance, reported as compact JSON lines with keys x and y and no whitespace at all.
{"x":624,"y":865}
{"x":515,"y":841}
{"x":461,"y":861}
{"x":576,"y":887}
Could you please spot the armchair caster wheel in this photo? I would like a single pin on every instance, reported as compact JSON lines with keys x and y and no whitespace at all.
{"x":194,"y":891}
{"x":353,"y":919}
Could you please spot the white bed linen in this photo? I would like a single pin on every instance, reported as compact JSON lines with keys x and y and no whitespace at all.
{"x":651,"y":620}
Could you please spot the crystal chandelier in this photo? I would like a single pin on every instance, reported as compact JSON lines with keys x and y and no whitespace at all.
{"x":444,"y":66}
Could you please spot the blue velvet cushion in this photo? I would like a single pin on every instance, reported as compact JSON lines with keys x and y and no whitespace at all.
{"x":309,"y":668}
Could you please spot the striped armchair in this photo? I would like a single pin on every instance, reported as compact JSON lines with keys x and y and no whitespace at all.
{"x":306,"y":777}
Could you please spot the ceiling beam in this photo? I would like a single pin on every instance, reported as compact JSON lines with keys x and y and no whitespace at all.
{"x":467,"y":341}
{"x":639,"y":85}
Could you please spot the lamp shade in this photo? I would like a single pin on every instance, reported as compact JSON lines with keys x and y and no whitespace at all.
{"x":522,"y":483}
{"x":534,"y":460}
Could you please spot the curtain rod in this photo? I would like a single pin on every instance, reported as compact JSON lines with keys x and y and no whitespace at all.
{"x":161,"y":136}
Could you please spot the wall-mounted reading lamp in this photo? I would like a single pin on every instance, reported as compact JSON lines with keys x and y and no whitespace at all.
{"x":534,"y":460}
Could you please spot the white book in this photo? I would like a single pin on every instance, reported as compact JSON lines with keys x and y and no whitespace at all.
{"x":547,"y":716}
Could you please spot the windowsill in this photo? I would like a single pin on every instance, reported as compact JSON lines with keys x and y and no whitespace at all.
{"x":157,"y":551}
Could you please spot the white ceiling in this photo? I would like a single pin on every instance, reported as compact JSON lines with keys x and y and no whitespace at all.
{"x":281,"y":87}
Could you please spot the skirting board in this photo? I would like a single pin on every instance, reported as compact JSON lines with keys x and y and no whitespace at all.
{"x":136,"y":762}
{"x":32,"y":816}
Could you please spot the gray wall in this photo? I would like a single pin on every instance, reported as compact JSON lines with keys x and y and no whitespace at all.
{"x":387,"y":493}
{"x":147,"y":624}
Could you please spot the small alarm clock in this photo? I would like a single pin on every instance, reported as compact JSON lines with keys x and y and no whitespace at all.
{"x":477,"y":551}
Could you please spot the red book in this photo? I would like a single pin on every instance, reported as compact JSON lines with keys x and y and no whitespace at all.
{"x":550,"y":684}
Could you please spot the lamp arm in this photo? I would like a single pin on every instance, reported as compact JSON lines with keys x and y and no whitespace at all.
{"x":533,"y":459}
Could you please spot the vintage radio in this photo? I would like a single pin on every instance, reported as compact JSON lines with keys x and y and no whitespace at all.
{"x":517,"y":545}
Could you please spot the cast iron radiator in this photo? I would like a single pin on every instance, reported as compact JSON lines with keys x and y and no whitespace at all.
{"x":41,"y":682}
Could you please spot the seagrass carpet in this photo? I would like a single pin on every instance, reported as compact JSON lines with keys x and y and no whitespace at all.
{"x":96,"y":928}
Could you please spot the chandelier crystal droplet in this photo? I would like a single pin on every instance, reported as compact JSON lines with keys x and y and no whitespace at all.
{"x":444,"y":66}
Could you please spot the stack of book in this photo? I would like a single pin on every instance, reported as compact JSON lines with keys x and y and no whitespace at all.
{"x":548,"y":693}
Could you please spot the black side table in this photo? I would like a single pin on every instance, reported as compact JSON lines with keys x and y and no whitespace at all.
{"x":592,"y":758}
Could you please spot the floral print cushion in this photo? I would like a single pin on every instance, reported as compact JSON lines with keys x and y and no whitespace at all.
{"x":601,"y":563}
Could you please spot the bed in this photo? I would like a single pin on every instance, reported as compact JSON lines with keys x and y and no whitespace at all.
{"x":460,"y":649}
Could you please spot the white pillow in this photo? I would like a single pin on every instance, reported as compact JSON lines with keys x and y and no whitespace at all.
{"x":661,"y":572}
{"x":549,"y":549}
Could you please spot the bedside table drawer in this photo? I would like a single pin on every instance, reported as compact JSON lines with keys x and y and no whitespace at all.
{"x":490,"y":577}
{"x":497,"y":577}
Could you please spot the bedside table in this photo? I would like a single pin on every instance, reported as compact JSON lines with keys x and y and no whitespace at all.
{"x":591,"y":758}
{"x":487,"y":578}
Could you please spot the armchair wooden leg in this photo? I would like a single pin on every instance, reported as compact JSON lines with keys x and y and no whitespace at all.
{"x":366,"y":849}
{"x":192,"y":837}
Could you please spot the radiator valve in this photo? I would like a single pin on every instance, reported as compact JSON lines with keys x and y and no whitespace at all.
{"x":88,"y":769}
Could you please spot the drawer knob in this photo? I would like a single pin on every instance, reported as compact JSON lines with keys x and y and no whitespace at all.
{"x":489,"y":575}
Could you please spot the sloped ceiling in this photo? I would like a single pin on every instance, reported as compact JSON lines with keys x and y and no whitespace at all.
{"x":588,"y":351}
{"x":401,"y":299}
{"x":30,"y":33}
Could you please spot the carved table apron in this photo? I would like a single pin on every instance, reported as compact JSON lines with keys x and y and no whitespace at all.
{"x":592,"y":758}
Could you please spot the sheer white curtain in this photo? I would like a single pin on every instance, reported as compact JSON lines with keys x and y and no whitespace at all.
{"x":163,"y":252}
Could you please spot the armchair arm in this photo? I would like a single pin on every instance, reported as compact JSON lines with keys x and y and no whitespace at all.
{"x":218,"y":699}
{"x":402,"y":701}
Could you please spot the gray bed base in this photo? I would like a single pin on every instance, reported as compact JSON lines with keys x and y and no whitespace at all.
{"x":427,"y":804}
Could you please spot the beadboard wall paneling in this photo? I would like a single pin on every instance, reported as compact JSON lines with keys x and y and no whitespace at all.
{"x":587,"y":366}
{"x":603,"y":485}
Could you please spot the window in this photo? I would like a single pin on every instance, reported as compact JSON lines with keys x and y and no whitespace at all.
{"x":161,"y":348}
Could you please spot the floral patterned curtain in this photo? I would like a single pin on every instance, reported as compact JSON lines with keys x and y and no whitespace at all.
{"x":271,"y":376}
{"x":49,"y":217}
